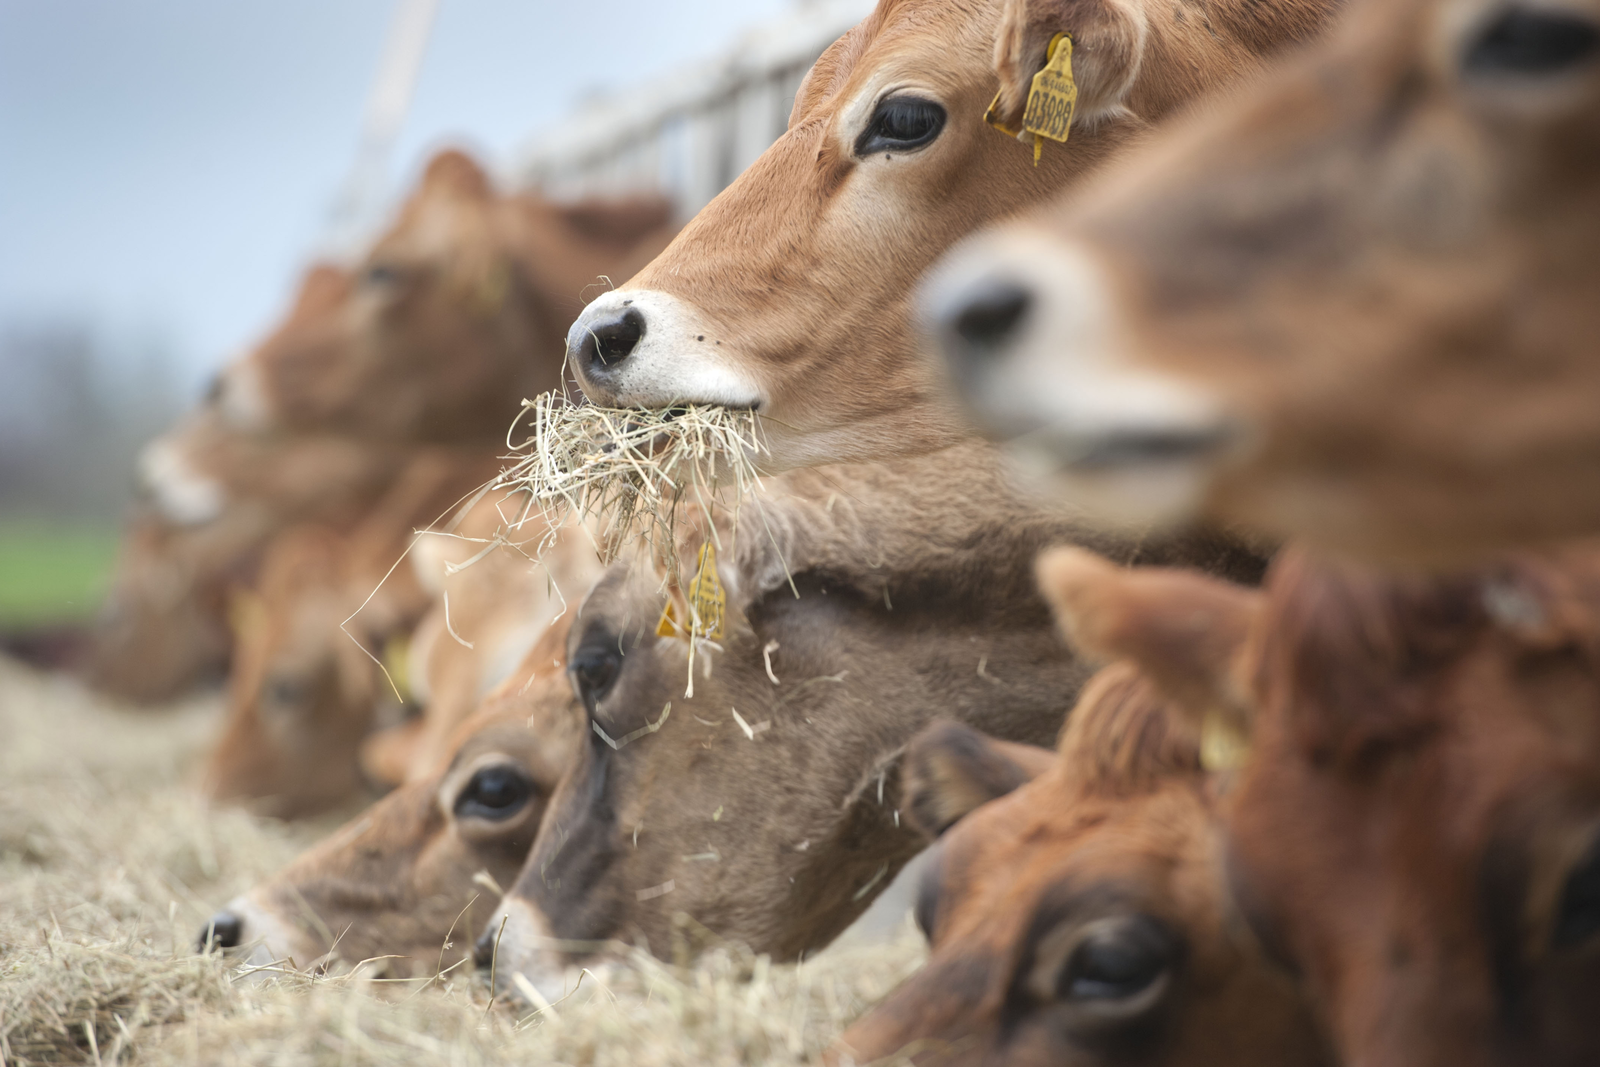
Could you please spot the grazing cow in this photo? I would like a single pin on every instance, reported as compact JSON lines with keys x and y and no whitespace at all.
{"x":453,"y":318}
{"x":1084,"y":918}
{"x":764,"y":800}
{"x":1355,"y":306}
{"x":412,"y":878}
{"x":213,"y":499}
{"x":789,"y":293}
{"x":1415,"y":830}
{"x":491,"y":603}
{"x":307,"y":685}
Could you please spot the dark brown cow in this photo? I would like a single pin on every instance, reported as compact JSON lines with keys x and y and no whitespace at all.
{"x":410,"y":881}
{"x":1085,"y":918}
{"x":454,"y":316}
{"x":1354,"y":304}
{"x":790,"y":292}
{"x":861,"y":602}
{"x":1418,"y":827}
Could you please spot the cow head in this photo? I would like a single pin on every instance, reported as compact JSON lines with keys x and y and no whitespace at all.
{"x":1354,"y":305}
{"x":412,"y":878}
{"x":452,"y":317}
{"x":1417,"y":827}
{"x":1084,"y":918}
{"x":790,"y":293}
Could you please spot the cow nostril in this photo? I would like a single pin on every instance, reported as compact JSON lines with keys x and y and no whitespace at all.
{"x":607,"y":342}
{"x":483,"y":948}
{"x":989,"y":314}
{"x":223,"y":930}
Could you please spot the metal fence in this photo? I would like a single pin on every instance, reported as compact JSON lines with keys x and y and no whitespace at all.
{"x":692,"y":132}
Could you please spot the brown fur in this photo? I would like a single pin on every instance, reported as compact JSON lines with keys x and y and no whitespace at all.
{"x":1413,"y":828}
{"x":1380,"y":265}
{"x":455,"y":316}
{"x":915,"y":600}
{"x":413,"y":878}
{"x":1119,"y":830}
{"x":800,"y":272}
{"x":163,"y":627}
{"x":306,"y":688}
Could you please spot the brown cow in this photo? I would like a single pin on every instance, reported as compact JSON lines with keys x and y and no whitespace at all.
{"x":1416,"y":829}
{"x":213,"y":500}
{"x":1085,"y":918}
{"x":861,"y":602}
{"x":790,"y":292}
{"x":307,"y":684}
{"x":410,"y":880}
{"x":1355,"y":305}
{"x":455,"y":315}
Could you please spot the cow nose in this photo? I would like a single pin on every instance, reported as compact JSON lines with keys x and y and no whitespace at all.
{"x":983,"y":317}
{"x":222,"y":930}
{"x":483,"y":948}
{"x":606,"y":340}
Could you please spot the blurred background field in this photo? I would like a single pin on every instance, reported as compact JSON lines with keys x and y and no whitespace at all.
{"x":53,"y":572}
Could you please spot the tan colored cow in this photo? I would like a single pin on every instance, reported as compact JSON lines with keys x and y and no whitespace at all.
{"x":861,"y":602}
{"x":454,"y":316}
{"x":1083,"y":918}
{"x":213,"y":499}
{"x":790,"y":292}
{"x":410,"y":882}
{"x":1416,"y":828}
{"x":307,"y":685}
{"x":1354,"y":304}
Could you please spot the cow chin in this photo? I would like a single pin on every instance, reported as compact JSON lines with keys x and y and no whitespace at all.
{"x":1025,"y":326}
{"x":515,"y":948}
{"x":648,"y":349}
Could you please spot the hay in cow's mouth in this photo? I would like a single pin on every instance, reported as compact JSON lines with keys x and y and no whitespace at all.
{"x":633,"y":468}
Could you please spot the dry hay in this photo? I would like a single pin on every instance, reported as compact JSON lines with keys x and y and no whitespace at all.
{"x":633,"y":469}
{"x":109,"y":866}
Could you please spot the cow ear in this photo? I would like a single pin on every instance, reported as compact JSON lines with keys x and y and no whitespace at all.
{"x":1183,"y":630}
{"x":950,"y":769}
{"x":456,"y":175}
{"x":622,"y":222}
{"x":1107,"y":43}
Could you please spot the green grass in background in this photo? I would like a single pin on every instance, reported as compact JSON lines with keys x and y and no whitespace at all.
{"x":51,"y":572}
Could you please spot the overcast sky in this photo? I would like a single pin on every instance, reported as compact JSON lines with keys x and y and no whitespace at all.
{"x":167,"y":165}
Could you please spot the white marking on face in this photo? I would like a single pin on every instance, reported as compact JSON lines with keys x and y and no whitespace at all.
{"x":524,"y":950}
{"x":243,"y":400}
{"x":183,"y":495}
{"x":1058,"y":389}
{"x":678,"y":359}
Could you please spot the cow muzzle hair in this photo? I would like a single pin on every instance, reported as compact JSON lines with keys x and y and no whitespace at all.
{"x":648,"y":349}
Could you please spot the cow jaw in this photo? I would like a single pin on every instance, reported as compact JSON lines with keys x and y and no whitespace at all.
{"x":673,"y":357}
{"x":1026,"y":327}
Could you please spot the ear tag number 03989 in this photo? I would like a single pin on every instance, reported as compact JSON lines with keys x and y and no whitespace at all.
{"x":1052,"y":100}
{"x":707,"y":602}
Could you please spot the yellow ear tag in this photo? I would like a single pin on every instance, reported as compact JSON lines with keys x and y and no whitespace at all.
{"x":706,"y":595}
{"x":1052,"y":100}
{"x":397,"y":661}
{"x":667,"y":625}
{"x":1223,"y":746}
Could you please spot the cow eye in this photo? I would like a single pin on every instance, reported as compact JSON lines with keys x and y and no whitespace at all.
{"x":382,"y":275}
{"x":899,"y":124}
{"x":1578,"y":917}
{"x":1523,"y":42}
{"x":286,"y":692}
{"x":594,"y":669}
{"x":496,"y":793}
{"x":1115,"y":970}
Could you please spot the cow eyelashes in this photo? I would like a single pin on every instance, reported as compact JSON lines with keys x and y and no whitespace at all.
{"x":1106,"y":972}
{"x":900,"y":124}
{"x":1532,"y":43}
{"x":496,"y":793}
{"x":1578,"y":916}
